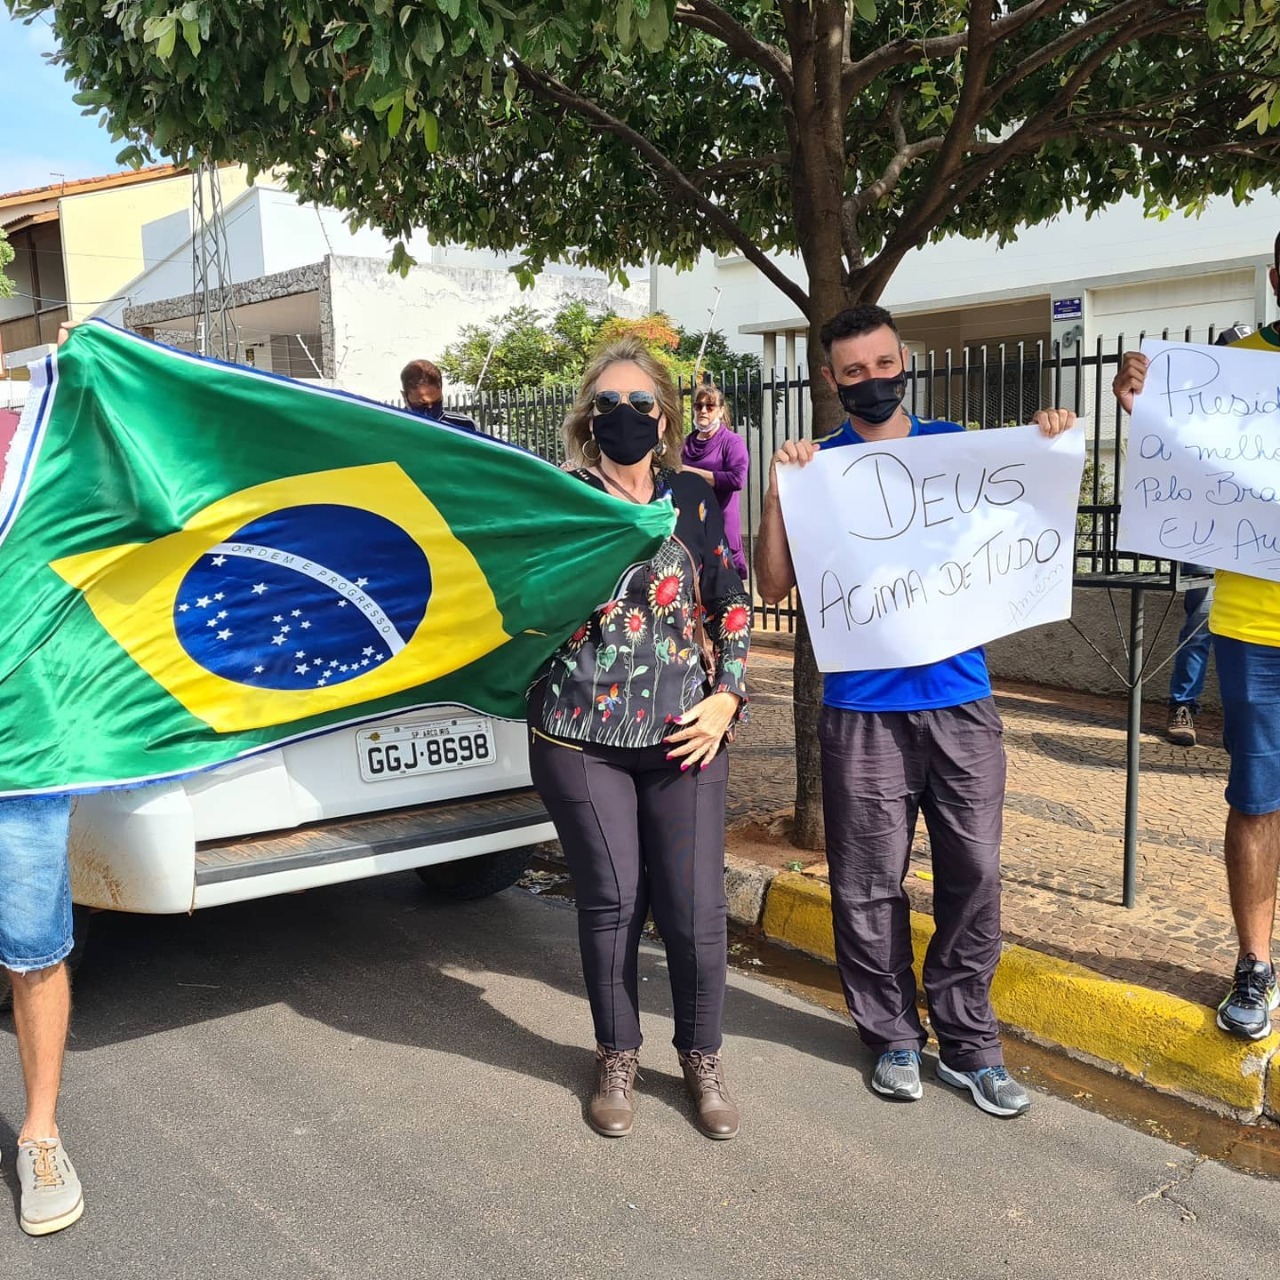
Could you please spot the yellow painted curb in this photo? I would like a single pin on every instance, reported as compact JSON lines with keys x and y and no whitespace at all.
{"x":1159,"y":1038}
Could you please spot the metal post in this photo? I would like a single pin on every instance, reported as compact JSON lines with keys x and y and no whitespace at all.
{"x":1133,"y":744}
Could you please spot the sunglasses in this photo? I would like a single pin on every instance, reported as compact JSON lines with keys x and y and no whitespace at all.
{"x":641,"y":401}
{"x":706,"y":406}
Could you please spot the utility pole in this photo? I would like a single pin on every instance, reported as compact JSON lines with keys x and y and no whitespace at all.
{"x":214,"y":330}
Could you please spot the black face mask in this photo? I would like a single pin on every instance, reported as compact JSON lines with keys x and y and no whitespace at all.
{"x":873,"y":400}
{"x":625,"y":435}
{"x":433,"y":411}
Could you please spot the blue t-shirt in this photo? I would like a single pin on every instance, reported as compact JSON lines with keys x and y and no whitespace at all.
{"x":947,"y":683}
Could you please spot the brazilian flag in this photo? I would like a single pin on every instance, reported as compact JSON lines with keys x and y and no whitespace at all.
{"x":199,"y":561}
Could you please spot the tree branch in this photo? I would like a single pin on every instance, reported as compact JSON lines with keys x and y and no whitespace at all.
{"x":858,"y":75}
{"x":736,"y":165}
{"x":703,"y":15}
{"x":1069,"y":40}
{"x":552,"y":90}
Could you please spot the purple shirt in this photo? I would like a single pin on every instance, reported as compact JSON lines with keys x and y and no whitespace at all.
{"x":724,"y":455}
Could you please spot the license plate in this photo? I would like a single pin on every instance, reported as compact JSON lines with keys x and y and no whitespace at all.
{"x":403,"y":750}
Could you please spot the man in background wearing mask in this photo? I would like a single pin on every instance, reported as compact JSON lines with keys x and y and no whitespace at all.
{"x":423,"y":389}
{"x":895,"y":743}
{"x":1245,"y":622}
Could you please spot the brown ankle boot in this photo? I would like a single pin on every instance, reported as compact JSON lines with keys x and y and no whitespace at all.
{"x":717,"y":1113}
{"x":610,"y":1110}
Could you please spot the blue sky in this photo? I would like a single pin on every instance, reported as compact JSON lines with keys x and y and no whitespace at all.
{"x":57,"y":141}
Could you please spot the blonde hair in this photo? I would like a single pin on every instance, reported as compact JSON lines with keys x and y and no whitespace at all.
{"x":577,"y":423}
{"x":705,"y":389}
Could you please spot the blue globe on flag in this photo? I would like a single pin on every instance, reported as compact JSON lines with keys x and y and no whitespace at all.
{"x":305,"y":597}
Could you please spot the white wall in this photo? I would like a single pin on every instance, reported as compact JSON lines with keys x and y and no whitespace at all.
{"x":1072,"y":256}
{"x":381,"y":321}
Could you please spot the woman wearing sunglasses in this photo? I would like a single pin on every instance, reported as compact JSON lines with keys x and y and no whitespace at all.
{"x":628,"y":722}
{"x":713,"y":451}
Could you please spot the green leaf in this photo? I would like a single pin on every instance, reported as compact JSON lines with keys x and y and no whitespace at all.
{"x":191,"y":34}
{"x":396,"y":117}
{"x":167,"y":37}
{"x":298,"y":79}
{"x":607,"y":657}
{"x":866,"y":10}
{"x":348,"y":37}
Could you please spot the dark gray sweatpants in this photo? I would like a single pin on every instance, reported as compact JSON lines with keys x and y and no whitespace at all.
{"x":879,"y":771}
{"x":639,"y":834}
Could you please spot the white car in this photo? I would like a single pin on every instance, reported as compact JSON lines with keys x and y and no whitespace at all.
{"x":444,"y":791}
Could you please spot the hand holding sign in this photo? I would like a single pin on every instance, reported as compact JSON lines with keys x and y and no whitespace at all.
{"x":1202,"y":477}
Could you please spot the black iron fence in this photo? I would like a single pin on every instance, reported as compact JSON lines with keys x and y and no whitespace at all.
{"x":981,"y":388}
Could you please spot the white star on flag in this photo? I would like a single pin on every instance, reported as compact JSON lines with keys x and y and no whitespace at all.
{"x":225,"y":634}
{"x":257,"y":671}
{"x":259,"y":588}
{"x":362,"y":582}
{"x":277,"y":639}
{"x":217,"y":595}
{"x":278,"y":618}
{"x":202,"y":603}
{"x":302,"y":669}
{"x":297,"y":613}
{"x":368,"y":651}
{"x":219,"y":561}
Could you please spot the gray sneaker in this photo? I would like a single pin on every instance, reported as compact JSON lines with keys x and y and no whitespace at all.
{"x":897,"y":1075}
{"x":993,"y":1089}
{"x":51,"y":1195}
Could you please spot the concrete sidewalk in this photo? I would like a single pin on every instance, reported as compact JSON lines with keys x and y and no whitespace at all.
{"x":1130,"y":988}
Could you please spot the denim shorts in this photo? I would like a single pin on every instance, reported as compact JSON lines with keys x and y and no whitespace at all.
{"x":35,"y":883}
{"x":1249,"y":678}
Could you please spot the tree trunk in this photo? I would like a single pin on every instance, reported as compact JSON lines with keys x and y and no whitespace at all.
{"x":817,"y":40}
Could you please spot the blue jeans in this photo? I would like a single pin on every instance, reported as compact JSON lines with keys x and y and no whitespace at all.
{"x":1249,"y":676}
{"x":35,"y":883}
{"x":1186,"y":681}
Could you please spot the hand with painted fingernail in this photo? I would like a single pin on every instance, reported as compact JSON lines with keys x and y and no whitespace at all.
{"x":701,"y":730}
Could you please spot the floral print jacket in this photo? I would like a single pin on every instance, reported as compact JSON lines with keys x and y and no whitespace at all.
{"x":635,"y":664}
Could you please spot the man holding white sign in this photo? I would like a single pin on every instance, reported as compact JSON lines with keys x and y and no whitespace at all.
{"x":898,"y":740}
{"x":1202,"y":471}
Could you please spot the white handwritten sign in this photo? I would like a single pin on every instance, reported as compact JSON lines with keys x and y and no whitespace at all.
{"x":1202,"y":475}
{"x":910,"y":551}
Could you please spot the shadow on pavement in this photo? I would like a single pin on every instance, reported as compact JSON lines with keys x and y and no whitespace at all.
{"x":383,"y":960}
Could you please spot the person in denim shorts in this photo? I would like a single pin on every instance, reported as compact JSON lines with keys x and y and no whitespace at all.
{"x":1245,"y":622}
{"x":35,"y":940}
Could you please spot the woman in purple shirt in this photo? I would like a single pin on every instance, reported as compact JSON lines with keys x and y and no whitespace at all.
{"x":714,"y":452}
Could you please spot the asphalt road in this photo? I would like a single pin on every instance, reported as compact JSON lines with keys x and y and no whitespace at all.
{"x":361,"y":1082}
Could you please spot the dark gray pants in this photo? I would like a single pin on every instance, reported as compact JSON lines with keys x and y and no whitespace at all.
{"x":639,"y":834}
{"x":879,"y":771}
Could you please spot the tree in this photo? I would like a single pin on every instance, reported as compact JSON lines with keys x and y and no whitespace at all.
{"x":7,"y":287}
{"x":605,"y":134}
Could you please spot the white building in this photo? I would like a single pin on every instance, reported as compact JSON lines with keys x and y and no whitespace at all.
{"x":1077,"y":280}
{"x":312,"y":298}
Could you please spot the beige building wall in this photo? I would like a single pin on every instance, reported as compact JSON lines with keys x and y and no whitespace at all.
{"x":103,"y":244}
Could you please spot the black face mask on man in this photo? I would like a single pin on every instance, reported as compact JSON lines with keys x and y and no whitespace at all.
{"x":624,"y":434}
{"x":433,"y":411}
{"x":873,"y":400}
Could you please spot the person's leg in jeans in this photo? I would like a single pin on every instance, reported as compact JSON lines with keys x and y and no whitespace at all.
{"x":1190,"y":665}
{"x":592,"y":801}
{"x":872,"y":776}
{"x":36,"y":936}
{"x":1249,"y":677}
{"x":963,"y":807}
{"x":682,"y":840}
